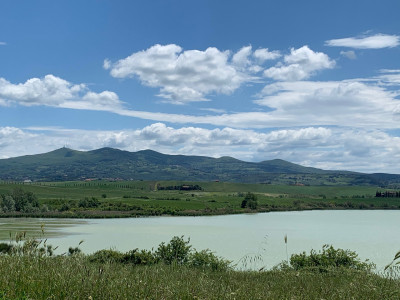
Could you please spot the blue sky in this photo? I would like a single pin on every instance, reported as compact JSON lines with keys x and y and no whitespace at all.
{"x":315,"y":83}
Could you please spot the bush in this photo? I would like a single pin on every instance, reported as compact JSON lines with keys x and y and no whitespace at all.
{"x":249,"y":201}
{"x":177,"y":251}
{"x":142,"y":257}
{"x":105,"y":256}
{"x":74,"y":251}
{"x":329,"y":258}
{"x":208,"y":260}
{"x":5,"y":248}
{"x":89,"y":202}
{"x":64,"y":207}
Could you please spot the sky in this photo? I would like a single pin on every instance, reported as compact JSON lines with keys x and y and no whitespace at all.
{"x":312,"y":82}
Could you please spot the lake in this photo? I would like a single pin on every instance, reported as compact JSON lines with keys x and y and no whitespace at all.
{"x":373,"y":234}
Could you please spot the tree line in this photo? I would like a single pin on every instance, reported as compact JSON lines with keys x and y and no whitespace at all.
{"x":19,"y":200}
{"x":387,"y":194}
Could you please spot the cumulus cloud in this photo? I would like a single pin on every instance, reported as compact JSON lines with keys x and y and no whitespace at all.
{"x":191,"y":75}
{"x":182,"y":76}
{"x":264,"y":54}
{"x":377,"y":41}
{"x":328,"y":148}
{"x":358,"y":103}
{"x":366,"y":103}
{"x":349,"y":54}
{"x":54,"y":91}
{"x":300,"y":64}
{"x":346,"y":103}
{"x":241,"y":58}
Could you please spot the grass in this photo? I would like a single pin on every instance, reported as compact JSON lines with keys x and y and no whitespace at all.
{"x":75,"y":278}
{"x":29,"y":273}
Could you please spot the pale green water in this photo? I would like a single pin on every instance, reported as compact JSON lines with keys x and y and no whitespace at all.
{"x":372,"y":234}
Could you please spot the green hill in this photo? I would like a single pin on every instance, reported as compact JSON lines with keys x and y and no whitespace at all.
{"x":107,"y":163}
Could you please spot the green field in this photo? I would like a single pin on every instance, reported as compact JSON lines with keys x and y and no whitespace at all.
{"x":143,"y":198}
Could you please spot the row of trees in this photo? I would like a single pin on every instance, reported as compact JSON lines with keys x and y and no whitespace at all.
{"x":182,"y":187}
{"x":19,"y":200}
{"x":388,"y":194}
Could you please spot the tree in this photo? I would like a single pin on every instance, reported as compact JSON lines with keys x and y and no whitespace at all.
{"x":250,"y":201}
{"x":23,"y":198}
{"x":8,"y":204}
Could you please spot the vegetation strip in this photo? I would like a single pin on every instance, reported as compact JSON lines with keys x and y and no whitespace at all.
{"x":105,"y":199}
{"x":176,"y":271}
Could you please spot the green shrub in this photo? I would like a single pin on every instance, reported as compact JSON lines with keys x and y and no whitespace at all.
{"x":140,"y":257}
{"x":329,"y":258}
{"x":74,"y":251}
{"x":106,"y":256}
{"x":249,"y":201}
{"x":64,"y":207}
{"x":207,"y":260}
{"x":89,"y":202}
{"x":5,"y":248}
{"x":177,"y":251}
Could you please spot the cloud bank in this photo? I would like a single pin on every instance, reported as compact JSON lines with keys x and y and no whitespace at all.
{"x":377,"y":41}
{"x":328,"y":148}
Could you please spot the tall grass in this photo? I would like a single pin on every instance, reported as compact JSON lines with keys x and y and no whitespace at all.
{"x":75,"y":277}
{"x":176,"y":271}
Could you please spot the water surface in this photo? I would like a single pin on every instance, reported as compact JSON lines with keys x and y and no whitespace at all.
{"x":372,"y":234}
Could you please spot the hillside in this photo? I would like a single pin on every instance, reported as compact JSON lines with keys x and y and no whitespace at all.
{"x":107,"y":163}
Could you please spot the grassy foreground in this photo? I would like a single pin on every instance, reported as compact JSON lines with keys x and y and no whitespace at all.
{"x":24,"y":277}
{"x":176,"y":271}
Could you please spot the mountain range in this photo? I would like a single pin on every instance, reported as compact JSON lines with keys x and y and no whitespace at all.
{"x":65,"y":164}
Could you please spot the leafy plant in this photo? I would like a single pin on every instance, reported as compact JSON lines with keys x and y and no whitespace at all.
{"x":207,"y":260}
{"x":177,"y":251}
{"x":329,"y":258}
{"x":106,"y":256}
{"x":140,"y":257}
{"x":250,"y":201}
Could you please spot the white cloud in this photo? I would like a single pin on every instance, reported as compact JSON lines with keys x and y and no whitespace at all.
{"x":362,"y":103}
{"x":264,"y":54}
{"x":329,"y":148}
{"x":377,"y":41}
{"x":369,"y":103}
{"x":300,"y":64}
{"x":182,"y":76}
{"x":389,"y":77}
{"x":3,"y":43}
{"x":191,"y":75}
{"x":349,"y":54}
{"x":341,"y":103}
{"x":54,"y":91}
{"x":48,"y":90}
{"x":107,"y":64}
{"x":241,"y":58}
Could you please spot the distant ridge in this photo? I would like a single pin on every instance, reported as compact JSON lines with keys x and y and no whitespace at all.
{"x":108,"y":163}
